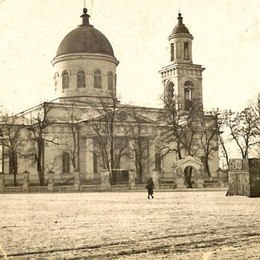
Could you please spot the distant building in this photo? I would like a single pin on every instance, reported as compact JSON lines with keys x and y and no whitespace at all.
{"x":86,"y":129}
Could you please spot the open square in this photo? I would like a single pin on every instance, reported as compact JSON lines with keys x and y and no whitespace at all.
{"x":126,"y":225}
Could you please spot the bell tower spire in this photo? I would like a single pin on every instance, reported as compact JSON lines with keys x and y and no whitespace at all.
{"x":181,"y":43}
{"x":182,"y":79}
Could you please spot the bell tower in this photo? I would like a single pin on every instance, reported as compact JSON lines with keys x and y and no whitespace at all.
{"x":182,"y":80}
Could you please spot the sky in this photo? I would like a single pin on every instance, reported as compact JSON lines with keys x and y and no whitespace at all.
{"x":226,"y":43}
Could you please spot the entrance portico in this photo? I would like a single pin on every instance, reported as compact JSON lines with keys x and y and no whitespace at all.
{"x":189,"y":169}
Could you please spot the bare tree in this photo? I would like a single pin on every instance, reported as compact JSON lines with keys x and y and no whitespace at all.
{"x":37,"y":128}
{"x":243,"y":129}
{"x":140,"y":143}
{"x":12,"y":138}
{"x":113,"y":132}
{"x":223,"y":139}
{"x":209,"y":137}
{"x":102,"y":124}
{"x":179,"y":129}
{"x":254,"y":106}
{"x":72,"y":122}
{"x":171,"y":124}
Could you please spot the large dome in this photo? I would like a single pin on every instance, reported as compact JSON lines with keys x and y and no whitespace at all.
{"x":85,"y":39}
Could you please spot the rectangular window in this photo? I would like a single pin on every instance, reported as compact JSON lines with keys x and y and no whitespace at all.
{"x":95,"y":168}
{"x":172,"y":52}
{"x":12,"y":163}
{"x":186,"y":50}
{"x":65,"y":163}
{"x":110,"y":81}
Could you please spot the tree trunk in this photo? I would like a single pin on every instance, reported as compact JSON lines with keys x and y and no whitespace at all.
{"x":225,"y":152}
{"x":112,"y":162}
{"x":207,"y":166}
{"x":140,"y":172}
{"x":179,"y":151}
{"x":40,"y":162}
{"x":13,"y":166}
{"x":188,"y":176}
{"x":15,"y":169}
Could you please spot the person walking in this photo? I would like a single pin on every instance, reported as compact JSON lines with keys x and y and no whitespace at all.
{"x":149,"y":187}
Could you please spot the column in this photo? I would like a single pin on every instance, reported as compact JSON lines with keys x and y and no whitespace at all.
{"x":155,"y":179}
{"x":131,"y":180}
{"x":131,"y":155}
{"x":26,"y":181}
{"x":76,"y":181}
{"x":180,"y":178}
{"x":151,"y":160}
{"x":89,"y":158}
{"x":50,"y":186}
{"x":105,"y":180}
{"x":199,"y":178}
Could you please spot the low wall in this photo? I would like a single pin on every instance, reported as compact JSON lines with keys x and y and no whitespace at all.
{"x":244,"y":177}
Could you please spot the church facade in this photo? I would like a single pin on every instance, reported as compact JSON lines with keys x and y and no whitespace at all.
{"x":88,"y":130}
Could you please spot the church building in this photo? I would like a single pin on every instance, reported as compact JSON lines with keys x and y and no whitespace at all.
{"x":87,"y":130}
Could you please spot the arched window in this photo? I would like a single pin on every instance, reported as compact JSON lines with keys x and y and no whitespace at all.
{"x":65,"y":79}
{"x":97,"y":79}
{"x":170,"y":91}
{"x":12,"y":163}
{"x":95,"y":163}
{"x":56,"y":76}
{"x":110,"y":80}
{"x":81,"y":79}
{"x":172,"y":51}
{"x":65,"y":163}
{"x":188,"y":95}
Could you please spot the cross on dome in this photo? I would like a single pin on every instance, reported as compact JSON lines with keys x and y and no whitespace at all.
{"x":179,"y":19}
{"x":85,"y":16}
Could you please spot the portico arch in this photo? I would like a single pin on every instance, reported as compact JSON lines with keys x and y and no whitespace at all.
{"x":188,"y":171}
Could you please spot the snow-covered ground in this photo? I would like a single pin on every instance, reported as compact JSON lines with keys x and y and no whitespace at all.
{"x":174,"y":225}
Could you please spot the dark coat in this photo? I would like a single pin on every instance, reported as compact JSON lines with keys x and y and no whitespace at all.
{"x":150,"y":184}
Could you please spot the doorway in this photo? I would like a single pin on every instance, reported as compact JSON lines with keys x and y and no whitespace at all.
{"x":188,"y":176}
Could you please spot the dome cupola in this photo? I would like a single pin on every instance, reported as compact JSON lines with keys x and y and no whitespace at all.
{"x":85,"y":65}
{"x":180,"y":27}
{"x":85,"y":39}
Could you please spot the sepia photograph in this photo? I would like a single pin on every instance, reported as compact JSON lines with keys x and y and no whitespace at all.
{"x":130,"y":129}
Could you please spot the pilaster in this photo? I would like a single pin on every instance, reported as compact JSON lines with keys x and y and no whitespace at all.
{"x":50,"y":186}
{"x":151,"y":161}
{"x":105,"y":180}
{"x":89,"y":158}
{"x":26,"y":181}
